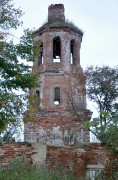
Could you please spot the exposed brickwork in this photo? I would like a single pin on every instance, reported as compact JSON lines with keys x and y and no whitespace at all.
{"x":56,"y":12}
{"x":74,"y":158}
{"x":54,"y":122}
{"x":80,"y":157}
{"x":57,"y":128}
{"x":9,"y":151}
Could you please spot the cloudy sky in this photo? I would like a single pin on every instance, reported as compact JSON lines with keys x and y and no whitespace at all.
{"x":97,"y":18}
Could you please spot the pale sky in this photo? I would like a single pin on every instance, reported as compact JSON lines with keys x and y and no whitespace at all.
{"x":97,"y":18}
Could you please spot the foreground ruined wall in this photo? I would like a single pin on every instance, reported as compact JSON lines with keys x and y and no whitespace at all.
{"x":62,"y":93}
{"x":86,"y":160}
{"x":35,"y":153}
{"x":83,"y":160}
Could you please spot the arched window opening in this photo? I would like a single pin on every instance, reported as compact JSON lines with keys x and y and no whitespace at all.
{"x":38,"y":98}
{"x":72,"y":48}
{"x":40,"y":56}
{"x":56,"y":96}
{"x":38,"y":93}
{"x":56,"y":49}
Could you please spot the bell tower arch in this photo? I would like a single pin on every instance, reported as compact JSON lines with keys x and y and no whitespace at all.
{"x":62,"y":89}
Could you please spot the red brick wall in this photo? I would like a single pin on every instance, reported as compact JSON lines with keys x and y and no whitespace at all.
{"x":74,"y":158}
{"x":8,"y":151}
{"x":57,"y":128}
{"x":78,"y":158}
{"x":66,"y":76}
{"x":56,"y":12}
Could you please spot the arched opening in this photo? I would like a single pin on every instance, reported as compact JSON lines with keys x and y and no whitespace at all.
{"x":72,"y":50}
{"x":38,"y":93}
{"x":56,"y":96}
{"x":56,"y":49}
{"x":38,"y":98}
{"x":40,"y":56}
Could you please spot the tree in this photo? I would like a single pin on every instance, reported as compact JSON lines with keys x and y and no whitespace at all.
{"x":102,"y":88}
{"x":15,"y":71}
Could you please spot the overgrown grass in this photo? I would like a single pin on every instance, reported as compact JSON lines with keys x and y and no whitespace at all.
{"x":61,"y":24}
{"x":20,"y":169}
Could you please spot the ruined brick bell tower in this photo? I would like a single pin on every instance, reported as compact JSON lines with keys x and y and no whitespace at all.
{"x":62,"y":109}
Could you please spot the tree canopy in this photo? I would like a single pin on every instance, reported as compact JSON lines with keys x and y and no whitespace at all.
{"x":102,"y":88}
{"x":15,"y":70}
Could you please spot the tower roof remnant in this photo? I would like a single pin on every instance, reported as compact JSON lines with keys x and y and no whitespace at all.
{"x":56,"y":19}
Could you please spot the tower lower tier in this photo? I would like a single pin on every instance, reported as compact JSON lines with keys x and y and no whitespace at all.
{"x":58,"y":128}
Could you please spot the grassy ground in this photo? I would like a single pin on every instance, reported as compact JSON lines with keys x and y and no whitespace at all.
{"x":20,"y":169}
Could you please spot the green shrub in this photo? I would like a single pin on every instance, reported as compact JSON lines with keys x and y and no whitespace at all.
{"x":21,"y":169}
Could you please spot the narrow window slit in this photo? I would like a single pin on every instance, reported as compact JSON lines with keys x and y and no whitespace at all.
{"x":37,"y":93}
{"x":56,"y":49}
{"x":72,"y":48}
{"x":40,"y":56}
{"x":38,"y":98}
{"x":56,"y":96}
